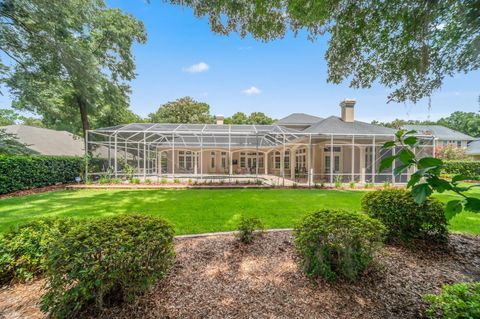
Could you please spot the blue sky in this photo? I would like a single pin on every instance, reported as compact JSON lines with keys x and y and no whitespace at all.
{"x":289,"y":74}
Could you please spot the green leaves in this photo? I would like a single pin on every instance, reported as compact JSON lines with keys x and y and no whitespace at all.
{"x":386,"y":163}
{"x":426,"y":162}
{"x":420,"y":192}
{"x":452,"y":208}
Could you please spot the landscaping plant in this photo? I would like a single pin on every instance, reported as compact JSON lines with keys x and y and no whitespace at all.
{"x":247,"y":228}
{"x":456,"y":301}
{"x":404,"y":218}
{"x":104,"y":262}
{"x":23,"y":249}
{"x":337,"y":243}
{"x":338,"y":182}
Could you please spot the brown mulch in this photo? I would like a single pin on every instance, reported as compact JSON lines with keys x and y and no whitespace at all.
{"x":216,"y":277}
{"x":35,"y":191}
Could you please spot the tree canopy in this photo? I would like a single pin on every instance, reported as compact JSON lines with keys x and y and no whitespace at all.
{"x":183,"y":110}
{"x":253,"y":118}
{"x":67,"y":58}
{"x":409,"y":46}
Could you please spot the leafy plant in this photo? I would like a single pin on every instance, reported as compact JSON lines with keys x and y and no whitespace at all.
{"x":456,"y":301}
{"x":176,"y":181}
{"x":404,"y":218}
{"x":369,"y":185}
{"x":352,"y":184}
{"x":247,"y":227}
{"x":338,"y":181}
{"x":135,"y":180}
{"x":104,"y":180}
{"x":116,"y":180}
{"x":332,"y":243}
{"x":148,"y":181}
{"x":426,"y":179}
{"x":164,"y":181}
{"x":104,"y":262}
{"x":386,"y":185}
{"x":128,"y":169}
{"x":23,"y":249}
{"x":469,"y":169}
{"x":294,"y":185}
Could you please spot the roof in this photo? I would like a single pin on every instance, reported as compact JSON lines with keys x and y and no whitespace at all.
{"x":474,"y":148}
{"x":440,"y":132}
{"x":299,"y":119}
{"x":46,"y":141}
{"x":335,"y":125}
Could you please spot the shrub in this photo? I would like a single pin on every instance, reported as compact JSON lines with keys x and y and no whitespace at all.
{"x":164,"y":181}
{"x":457,"y":301}
{"x":338,"y":182}
{"x":176,"y":181}
{"x":333,"y":243}
{"x":466,"y":168}
{"x":247,"y":227}
{"x":104,"y":180}
{"x":386,"y":185}
{"x":103,"y":262}
{"x":148,"y":181}
{"x":22,"y":249}
{"x":404,"y":218}
{"x":352,"y":184}
{"x":116,"y":180}
{"x":135,"y":180}
{"x":24,"y":172}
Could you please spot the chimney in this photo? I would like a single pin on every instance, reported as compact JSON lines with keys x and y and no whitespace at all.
{"x":219,"y":119}
{"x":348,"y":110}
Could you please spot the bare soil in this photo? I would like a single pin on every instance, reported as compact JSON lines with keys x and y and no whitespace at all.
{"x":35,"y":191}
{"x":217,"y":277}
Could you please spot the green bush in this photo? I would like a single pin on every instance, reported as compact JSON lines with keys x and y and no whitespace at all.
{"x":247,"y":227}
{"x":104,"y":262}
{"x":23,"y":249}
{"x":466,"y":168}
{"x":24,"y":172}
{"x":457,"y":301}
{"x":404,"y":218}
{"x":332,"y":243}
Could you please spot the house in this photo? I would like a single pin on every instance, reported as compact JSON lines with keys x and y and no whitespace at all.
{"x":473,"y":150}
{"x":299,"y":148}
{"x":45,"y":141}
{"x":443,"y":135}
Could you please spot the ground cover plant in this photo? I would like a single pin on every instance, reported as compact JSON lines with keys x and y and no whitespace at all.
{"x":103,"y":262}
{"x":247,"y":227}
{"x":456,"y":301}
{"x":201,"y":210}
{"x":337,"y":243}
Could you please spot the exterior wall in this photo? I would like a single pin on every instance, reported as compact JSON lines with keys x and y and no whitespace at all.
{"x":463,"y":143}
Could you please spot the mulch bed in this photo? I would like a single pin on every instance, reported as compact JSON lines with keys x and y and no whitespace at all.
{"x":217,"y":277}
{"x":35,"y":191}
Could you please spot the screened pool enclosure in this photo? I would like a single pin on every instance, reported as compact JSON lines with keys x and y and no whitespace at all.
{"x":273,"y":153}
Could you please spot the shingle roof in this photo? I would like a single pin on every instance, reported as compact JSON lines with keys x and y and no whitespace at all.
{"x":440,"y":132}
{"x":474,"y":148}
{"x":335,"y":125}
{"x":46,"y":141}
{"x":299,"y":119}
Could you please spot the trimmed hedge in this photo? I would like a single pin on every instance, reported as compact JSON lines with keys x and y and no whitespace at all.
{"x":465,"y":168}
{"x":24,"y":172}
{"x":404,"y":218}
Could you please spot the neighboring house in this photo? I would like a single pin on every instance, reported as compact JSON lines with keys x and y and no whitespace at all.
{"x":473,"y":150}
{"x":443,"y":135}
{"x":46,"y":141}
{"x":300,"y":147}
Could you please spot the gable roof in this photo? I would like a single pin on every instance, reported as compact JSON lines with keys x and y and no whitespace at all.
{"x":440,"y":132}
{"x":46,"y":141}
{"x":299,"y":119}
{"x":473,"y":148}
{"x":336,"y":125}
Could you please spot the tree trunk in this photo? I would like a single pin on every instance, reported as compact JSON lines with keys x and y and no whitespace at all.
{"x":83,"y":115}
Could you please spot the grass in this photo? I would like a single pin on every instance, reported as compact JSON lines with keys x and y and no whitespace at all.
{"x":197,"y":211}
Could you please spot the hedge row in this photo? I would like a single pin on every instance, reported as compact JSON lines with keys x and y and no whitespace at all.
{"x":465,"y":168}
{"x":24,"y":172}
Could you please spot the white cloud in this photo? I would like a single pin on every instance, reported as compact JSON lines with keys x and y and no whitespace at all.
{"x":252,"y":91}
{"x":197,"y":68}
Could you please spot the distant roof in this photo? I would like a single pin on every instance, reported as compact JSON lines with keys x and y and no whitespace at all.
{"x":299,"y":119}
{"x":46,"y":141}
{"x":474,"y":148}
{"x":440,"y":132}
{"x":335,"y":125}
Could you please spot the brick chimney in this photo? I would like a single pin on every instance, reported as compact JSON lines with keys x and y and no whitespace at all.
{"x":219,"y":119}
{"x":348,"y":110}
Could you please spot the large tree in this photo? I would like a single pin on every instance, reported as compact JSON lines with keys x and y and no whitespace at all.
{"x":465,"y":122}
{"x":253,"y":118}
{"x":183,"y":110}
{"x":67,"y":59}
{"x":409,"y":46}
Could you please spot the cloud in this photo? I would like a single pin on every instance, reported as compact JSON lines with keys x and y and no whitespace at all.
{"x":252,"y":91}
{"x":197,"y":68}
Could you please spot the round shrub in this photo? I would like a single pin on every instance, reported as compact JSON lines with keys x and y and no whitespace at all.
{"x":456,"y":301}
{"x":333,"y":243}
{"x":23,"y":248}
{"x":104,"y":262}
{"x":404,"y":218}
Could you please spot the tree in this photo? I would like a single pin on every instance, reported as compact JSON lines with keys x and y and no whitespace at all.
{"x":465,"y":122}
{"x":409,"y":46}
{"x":259,"y":118}
{"x":183,"y":110}
{"x":67,"y":57}
{"x":8,"y":117}
{"x":9,"y":145}
{"x":237,"y":118}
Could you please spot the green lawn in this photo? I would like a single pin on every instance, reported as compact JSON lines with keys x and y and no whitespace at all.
{"x":194,"y":210}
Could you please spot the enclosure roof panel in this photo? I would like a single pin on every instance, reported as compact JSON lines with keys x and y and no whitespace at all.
{"x":439,"y":131}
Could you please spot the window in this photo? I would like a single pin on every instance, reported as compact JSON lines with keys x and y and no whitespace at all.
{"x":185,"y":160}
{"x":249,"y":160}
{"x":224,"y":159}
{"x":242,"y":160}
{"x":277,"y":160}
{"x":301,"y":158}
{"x":459,"y":143}
{"x":212,"y":159}
{"x":286,"y":160}
{"x":335,"y":149}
